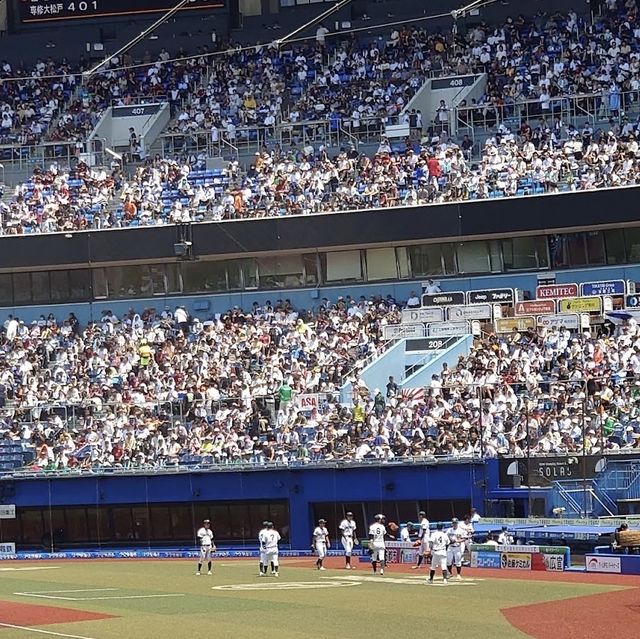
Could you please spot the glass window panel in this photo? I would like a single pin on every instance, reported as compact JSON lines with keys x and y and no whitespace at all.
{"x":99,"y":283}
{"x":9,"y":530}
{"x":122,"y":523}
{"x":127,"y":281}
{"x":425,"y":259}
{"x":402,"y":257}
{"x":160,"y":523}
{"x":79,"y":284}
{"x":40,"y":286}
{"x":204,"y":277}
{"x":310,"y":262}
{"x":6,"y":289}
{"x":156,"y":273}
{"x":22,"y":288}
{"x":59,"y":286}
{"x":381,"y":264}
{"x":173,"y":280}
{"x":614,"y":242}
{"x":542,"y":251}
{"x":98,"y":524}
{"x":473,"y":257}
{"x":595,"y":247}
{"x":449,"y":258}
{"x":519,"y":253}
{"x":31,"y":525}
{"x":140,"y":523}
{"x":575,"y":249}
{"x":632,"y":243}
{"x":240,"y":522}
{"x":343,"y":266}
{"x":77,"y":529}
{"x":283,"y":271}
{"x":182,"y":523}
{"x":495,"y":256}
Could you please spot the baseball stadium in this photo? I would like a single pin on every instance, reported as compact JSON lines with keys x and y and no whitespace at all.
{"x":319,"y":317}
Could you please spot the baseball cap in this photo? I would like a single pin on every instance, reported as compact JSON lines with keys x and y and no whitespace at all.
{"x":322,"y":521}
{"x":206,"y":521}
{"x":454,"y":520}
{"x":349,"y":514}
{"x":265,"y":523}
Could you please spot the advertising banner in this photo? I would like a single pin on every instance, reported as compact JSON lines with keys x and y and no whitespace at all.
{"x":485,"y":559}
{"x":515,"y":561}
{"x":443,"y":299}
{"x":398,"y":331}
{"x":473,"y":312}
{"x":491,"y":296}
{"x":447,"y":329}
{"x":611,"y":287}
{"x":553,"y":563}
{"x":603,"y":563}
{"x":535,"y":307}
{"x":308,"y":402}
{"x":556,"y":291}
{"x":422,"y":315}
{"x":580,"y":305}
{"x":7,"y":548}
{"x":570,"y":321}
{"x":8,"y":511}
{"x":506,"y":325}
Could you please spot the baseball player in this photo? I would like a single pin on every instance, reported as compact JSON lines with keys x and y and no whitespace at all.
{"x":454,"y":551}
{"x":467,"y":532}
{"x":320,"y":542}
{"x":423,"y":537}
{"x":438,"y":542}
{"x":377,"y":533}
{"x":505,"y":538}
{"x":271,"y":539}
{"x":205,"y":537}
{"x":262,"y":540}
{"x":349,"y":539}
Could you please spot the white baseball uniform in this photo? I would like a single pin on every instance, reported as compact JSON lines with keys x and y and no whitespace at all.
{"x":505,"y":539}
{"x":377,"y":534}
{"x":438,"y":542}
{"x":205,"y":536}
{"x":454,"y":551}
{"x":348,"y":528}
{"x":320,"y":536}
{"x":271,"y":538}
{"x":467,"y":534}
{"x":262,"y":543}
{"x":423,"y":535}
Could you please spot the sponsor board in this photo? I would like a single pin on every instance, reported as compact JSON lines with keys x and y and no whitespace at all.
{"x":602,"y":563}
{"x":632,"y":301}
{"x":580,"y":305}
{"x":485,"y":559}
{"x":307,"y":402}
{"x":448,"y":329}
{"x":475,"y":312}
{"x":610,"y":287}
{"x":399,"y":331}
{"x":8,"y":511}
{"x":7,"y":549}
{"x":553,"y":563}
{"x":443,"y":299}
{"x":507,"y":324}
{"x":515,"y":560}
{"x":560,"y":320}
{"x":556,"y":291}
{"x":535,"y":307}
{"x":422,"y":315}
{"x":491,"y":296}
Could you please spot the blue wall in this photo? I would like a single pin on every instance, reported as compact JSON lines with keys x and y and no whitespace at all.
{"x":301,"y":487}
{"x":203,"y":306}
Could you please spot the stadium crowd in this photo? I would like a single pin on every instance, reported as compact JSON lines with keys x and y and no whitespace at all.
{"x":167,"y":191}
{"x":161,"y":388}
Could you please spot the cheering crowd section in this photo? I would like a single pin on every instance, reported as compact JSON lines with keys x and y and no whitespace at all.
{"x":348,"y":79}
{"x":157,"y":389}
{"x":292,"y":183}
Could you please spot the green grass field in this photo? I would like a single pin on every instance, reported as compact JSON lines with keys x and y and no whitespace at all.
{"x":164,"y":599}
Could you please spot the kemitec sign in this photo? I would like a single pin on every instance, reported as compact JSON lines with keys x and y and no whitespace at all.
{"x":581,"y":305}
{"x":535,"y":307}
{"x":556,"y":291}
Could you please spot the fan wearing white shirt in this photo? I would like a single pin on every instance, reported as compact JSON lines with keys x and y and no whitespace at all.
{"x":348,"y":530}
{"x":377,"y":547}
{"x":205,"y":537}
{"x":320,"y":542}
{"x":271,"y":537}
